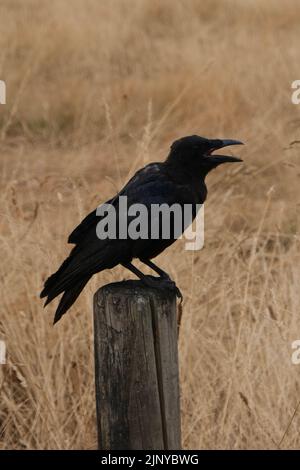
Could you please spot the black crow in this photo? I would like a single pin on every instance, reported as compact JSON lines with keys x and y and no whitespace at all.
{"x":180,"y":180}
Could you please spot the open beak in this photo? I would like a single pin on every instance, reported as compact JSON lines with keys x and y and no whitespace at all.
{"x":219,"y":144}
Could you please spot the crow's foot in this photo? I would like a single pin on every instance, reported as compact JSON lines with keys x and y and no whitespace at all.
{"x":163,"y":283}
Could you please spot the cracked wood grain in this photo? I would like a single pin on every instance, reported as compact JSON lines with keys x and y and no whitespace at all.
{"x":136,"y":368}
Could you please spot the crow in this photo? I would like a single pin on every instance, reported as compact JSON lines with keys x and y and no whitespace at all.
{"x":180,"y":180}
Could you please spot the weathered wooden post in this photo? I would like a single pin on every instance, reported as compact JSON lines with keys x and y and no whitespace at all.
{"x":136,"y":365}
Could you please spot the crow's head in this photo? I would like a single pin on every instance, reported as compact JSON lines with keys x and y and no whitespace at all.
{"x":194,"y":153}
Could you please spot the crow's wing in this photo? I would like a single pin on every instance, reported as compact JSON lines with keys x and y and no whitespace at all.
{"x":151,"y":185}
{"x":92,"y":254}
{"x":146,"y":175}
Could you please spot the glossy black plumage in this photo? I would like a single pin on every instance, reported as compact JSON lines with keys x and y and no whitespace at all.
{"x":180,"y":179}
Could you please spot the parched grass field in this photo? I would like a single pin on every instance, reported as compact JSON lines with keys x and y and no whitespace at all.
{"x":94,"y":91}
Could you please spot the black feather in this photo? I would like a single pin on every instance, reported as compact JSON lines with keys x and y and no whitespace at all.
{"x":69,"y":298}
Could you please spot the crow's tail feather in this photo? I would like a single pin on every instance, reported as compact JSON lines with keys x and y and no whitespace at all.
{"x":53,"y":280}
{"x":69,"y":298}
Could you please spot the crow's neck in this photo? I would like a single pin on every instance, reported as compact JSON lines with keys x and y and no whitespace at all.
{"x":184,"y":173}
{"x":194,"y":179}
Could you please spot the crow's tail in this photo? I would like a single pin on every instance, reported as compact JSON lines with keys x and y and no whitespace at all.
{"x":69,"y":279}
{"x":75,"y":272}
{"x":69,"y":298}
{"x":54,"y":285}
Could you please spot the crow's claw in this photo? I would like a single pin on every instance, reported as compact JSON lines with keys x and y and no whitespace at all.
{"x":163,"y":283}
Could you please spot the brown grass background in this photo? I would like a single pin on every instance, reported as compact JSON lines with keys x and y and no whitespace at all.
{"x":96,"y":89}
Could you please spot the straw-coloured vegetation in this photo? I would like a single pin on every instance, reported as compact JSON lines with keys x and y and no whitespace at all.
{"x":94,"y":91}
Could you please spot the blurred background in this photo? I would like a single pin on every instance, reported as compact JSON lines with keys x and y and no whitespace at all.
{"x":95,"y":90}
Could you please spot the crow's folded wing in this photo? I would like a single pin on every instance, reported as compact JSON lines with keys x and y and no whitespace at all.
{"x":134,"y":187}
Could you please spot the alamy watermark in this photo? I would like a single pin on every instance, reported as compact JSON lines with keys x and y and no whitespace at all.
{"x":296,"y":353}
{"x":122,"y":221}
{"x":2,"y":92}
{"x":295,"y":98}
{"x":2,"y":352}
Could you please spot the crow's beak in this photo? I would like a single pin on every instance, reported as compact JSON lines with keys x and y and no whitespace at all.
{"x":224,"y":159}
{"x":219,"y":144}
{"x":227,"y":142}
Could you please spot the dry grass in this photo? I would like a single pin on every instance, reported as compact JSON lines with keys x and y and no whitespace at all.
{"x":95,"y":90}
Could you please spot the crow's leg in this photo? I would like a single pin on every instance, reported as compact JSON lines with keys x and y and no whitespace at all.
{"x":155,"y":268}
{"x":163,"y":275}
{"x":156,"y":282}
{"x":134,"y":270}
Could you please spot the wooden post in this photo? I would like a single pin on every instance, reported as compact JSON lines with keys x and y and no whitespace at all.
{"x":136,"y":365}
